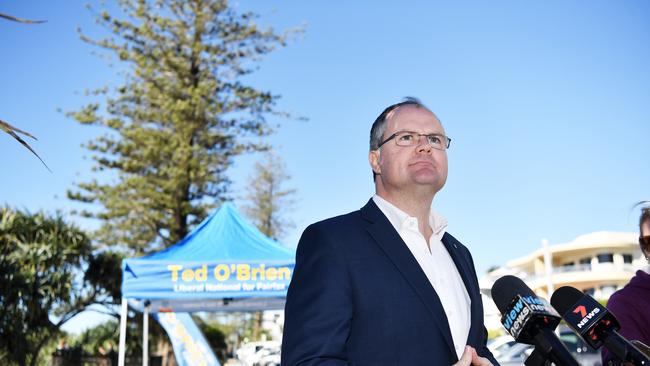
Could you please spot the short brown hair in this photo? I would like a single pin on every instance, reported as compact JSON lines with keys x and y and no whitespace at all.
{"x":379,"y":126}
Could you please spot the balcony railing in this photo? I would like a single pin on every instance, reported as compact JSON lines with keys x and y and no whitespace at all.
{"x":573,"y":268}
{"x":582,"y":268}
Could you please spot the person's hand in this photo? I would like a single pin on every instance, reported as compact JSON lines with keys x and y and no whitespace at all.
{"x":466,"y":358}
{"x":478,"y":360}
{"x":471,"y":358}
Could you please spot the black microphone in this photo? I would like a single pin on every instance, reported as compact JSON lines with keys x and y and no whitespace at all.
{"x":644,"y":348}
{"x":531,"y":320}
{"x":595,"y":324}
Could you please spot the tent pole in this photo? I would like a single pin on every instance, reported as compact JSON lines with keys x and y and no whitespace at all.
{"x":122,"y":347}
{"x":145,"y":334}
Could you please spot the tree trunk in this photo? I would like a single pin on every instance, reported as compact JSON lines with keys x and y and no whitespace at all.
{"x":257,"y":325}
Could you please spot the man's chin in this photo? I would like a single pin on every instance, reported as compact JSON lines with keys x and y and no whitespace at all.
{"x":434,"y":181}
{"x":427,"y":177}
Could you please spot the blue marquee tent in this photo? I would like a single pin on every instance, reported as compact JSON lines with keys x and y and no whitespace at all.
{"x":224,"y":264}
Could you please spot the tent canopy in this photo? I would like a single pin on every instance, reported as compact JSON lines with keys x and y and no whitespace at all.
{"x":225,"y":263}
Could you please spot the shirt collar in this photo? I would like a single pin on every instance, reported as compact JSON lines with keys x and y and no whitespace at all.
{"x":398,"y":217}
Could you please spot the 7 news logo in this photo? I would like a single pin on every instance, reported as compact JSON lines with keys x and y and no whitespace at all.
{"x":586,"y":317}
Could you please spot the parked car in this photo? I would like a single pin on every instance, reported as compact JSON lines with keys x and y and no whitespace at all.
{"x":585,"y":355}
{"x":272,"y":359}
{"x":251,"y":353}
{"x":499,"y":345}
{"x":266,"y":357}
{"x":519,"y":353}
{"x":516,"y":355}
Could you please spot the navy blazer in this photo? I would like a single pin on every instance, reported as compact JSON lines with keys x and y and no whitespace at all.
{"x":359,"y":297}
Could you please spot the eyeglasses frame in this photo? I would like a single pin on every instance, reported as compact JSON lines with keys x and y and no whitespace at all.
{"x":419,"y":137}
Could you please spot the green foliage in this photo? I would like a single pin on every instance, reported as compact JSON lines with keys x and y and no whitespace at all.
{"x":215,"y":334}
{"x":493,"y":333}
{"x":603,"y":302}
{"x":178,"y":120}
{"x":104,"y":274}
{"x":45,"y":357}
{"x":267,"y":198}
{"x":101,"y":337}
{"x":39,"y":258}
{"x":104,"y":337}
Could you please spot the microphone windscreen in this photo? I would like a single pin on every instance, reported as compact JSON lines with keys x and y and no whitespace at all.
{"x":506,"y":288}
{"x":564,"y":298}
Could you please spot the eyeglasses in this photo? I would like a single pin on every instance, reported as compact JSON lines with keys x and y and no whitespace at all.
{"x":410,"y":138}
{"x":645,"y":242}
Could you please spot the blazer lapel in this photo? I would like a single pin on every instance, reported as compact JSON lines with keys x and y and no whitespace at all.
{"x":466,"y":271}
{"x":392,"y":244}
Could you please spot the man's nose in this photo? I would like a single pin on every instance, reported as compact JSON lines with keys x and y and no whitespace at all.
{"x":423,"y":145}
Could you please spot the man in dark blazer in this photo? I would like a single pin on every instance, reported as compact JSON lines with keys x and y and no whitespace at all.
{"x":387,"y":285}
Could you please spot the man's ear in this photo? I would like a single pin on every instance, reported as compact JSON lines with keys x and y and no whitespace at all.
{"x":373,"y":159}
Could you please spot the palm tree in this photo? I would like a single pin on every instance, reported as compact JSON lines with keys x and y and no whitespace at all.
{"x":41,"y":287}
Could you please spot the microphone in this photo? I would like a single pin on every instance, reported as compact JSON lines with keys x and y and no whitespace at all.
{"x":644,"y":348}
{"x":595,"y":324}
{"x":531,"y":320}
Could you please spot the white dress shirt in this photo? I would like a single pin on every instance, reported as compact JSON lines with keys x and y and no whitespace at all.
{"x":437,"y":265}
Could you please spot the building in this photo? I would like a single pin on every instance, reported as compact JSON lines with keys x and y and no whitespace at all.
{"x":598,"y":264}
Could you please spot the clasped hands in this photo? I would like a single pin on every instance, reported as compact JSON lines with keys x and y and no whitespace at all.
{"x":471,"y":358}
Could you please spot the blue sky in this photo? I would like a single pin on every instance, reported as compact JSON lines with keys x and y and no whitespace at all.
{"x":547,"y":103}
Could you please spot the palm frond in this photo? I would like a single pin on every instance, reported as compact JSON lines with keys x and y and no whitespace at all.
{"x":20,"y":20}
{"x":11,"y":130}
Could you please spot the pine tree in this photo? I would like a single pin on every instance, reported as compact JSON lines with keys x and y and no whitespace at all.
{"x":177,"y":121}
{"x":268,"y":199}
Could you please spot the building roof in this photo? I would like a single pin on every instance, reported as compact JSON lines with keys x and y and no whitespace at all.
{"x":592,"y":241}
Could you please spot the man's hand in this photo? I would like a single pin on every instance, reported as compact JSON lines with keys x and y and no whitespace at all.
{"x":471,"y":358}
